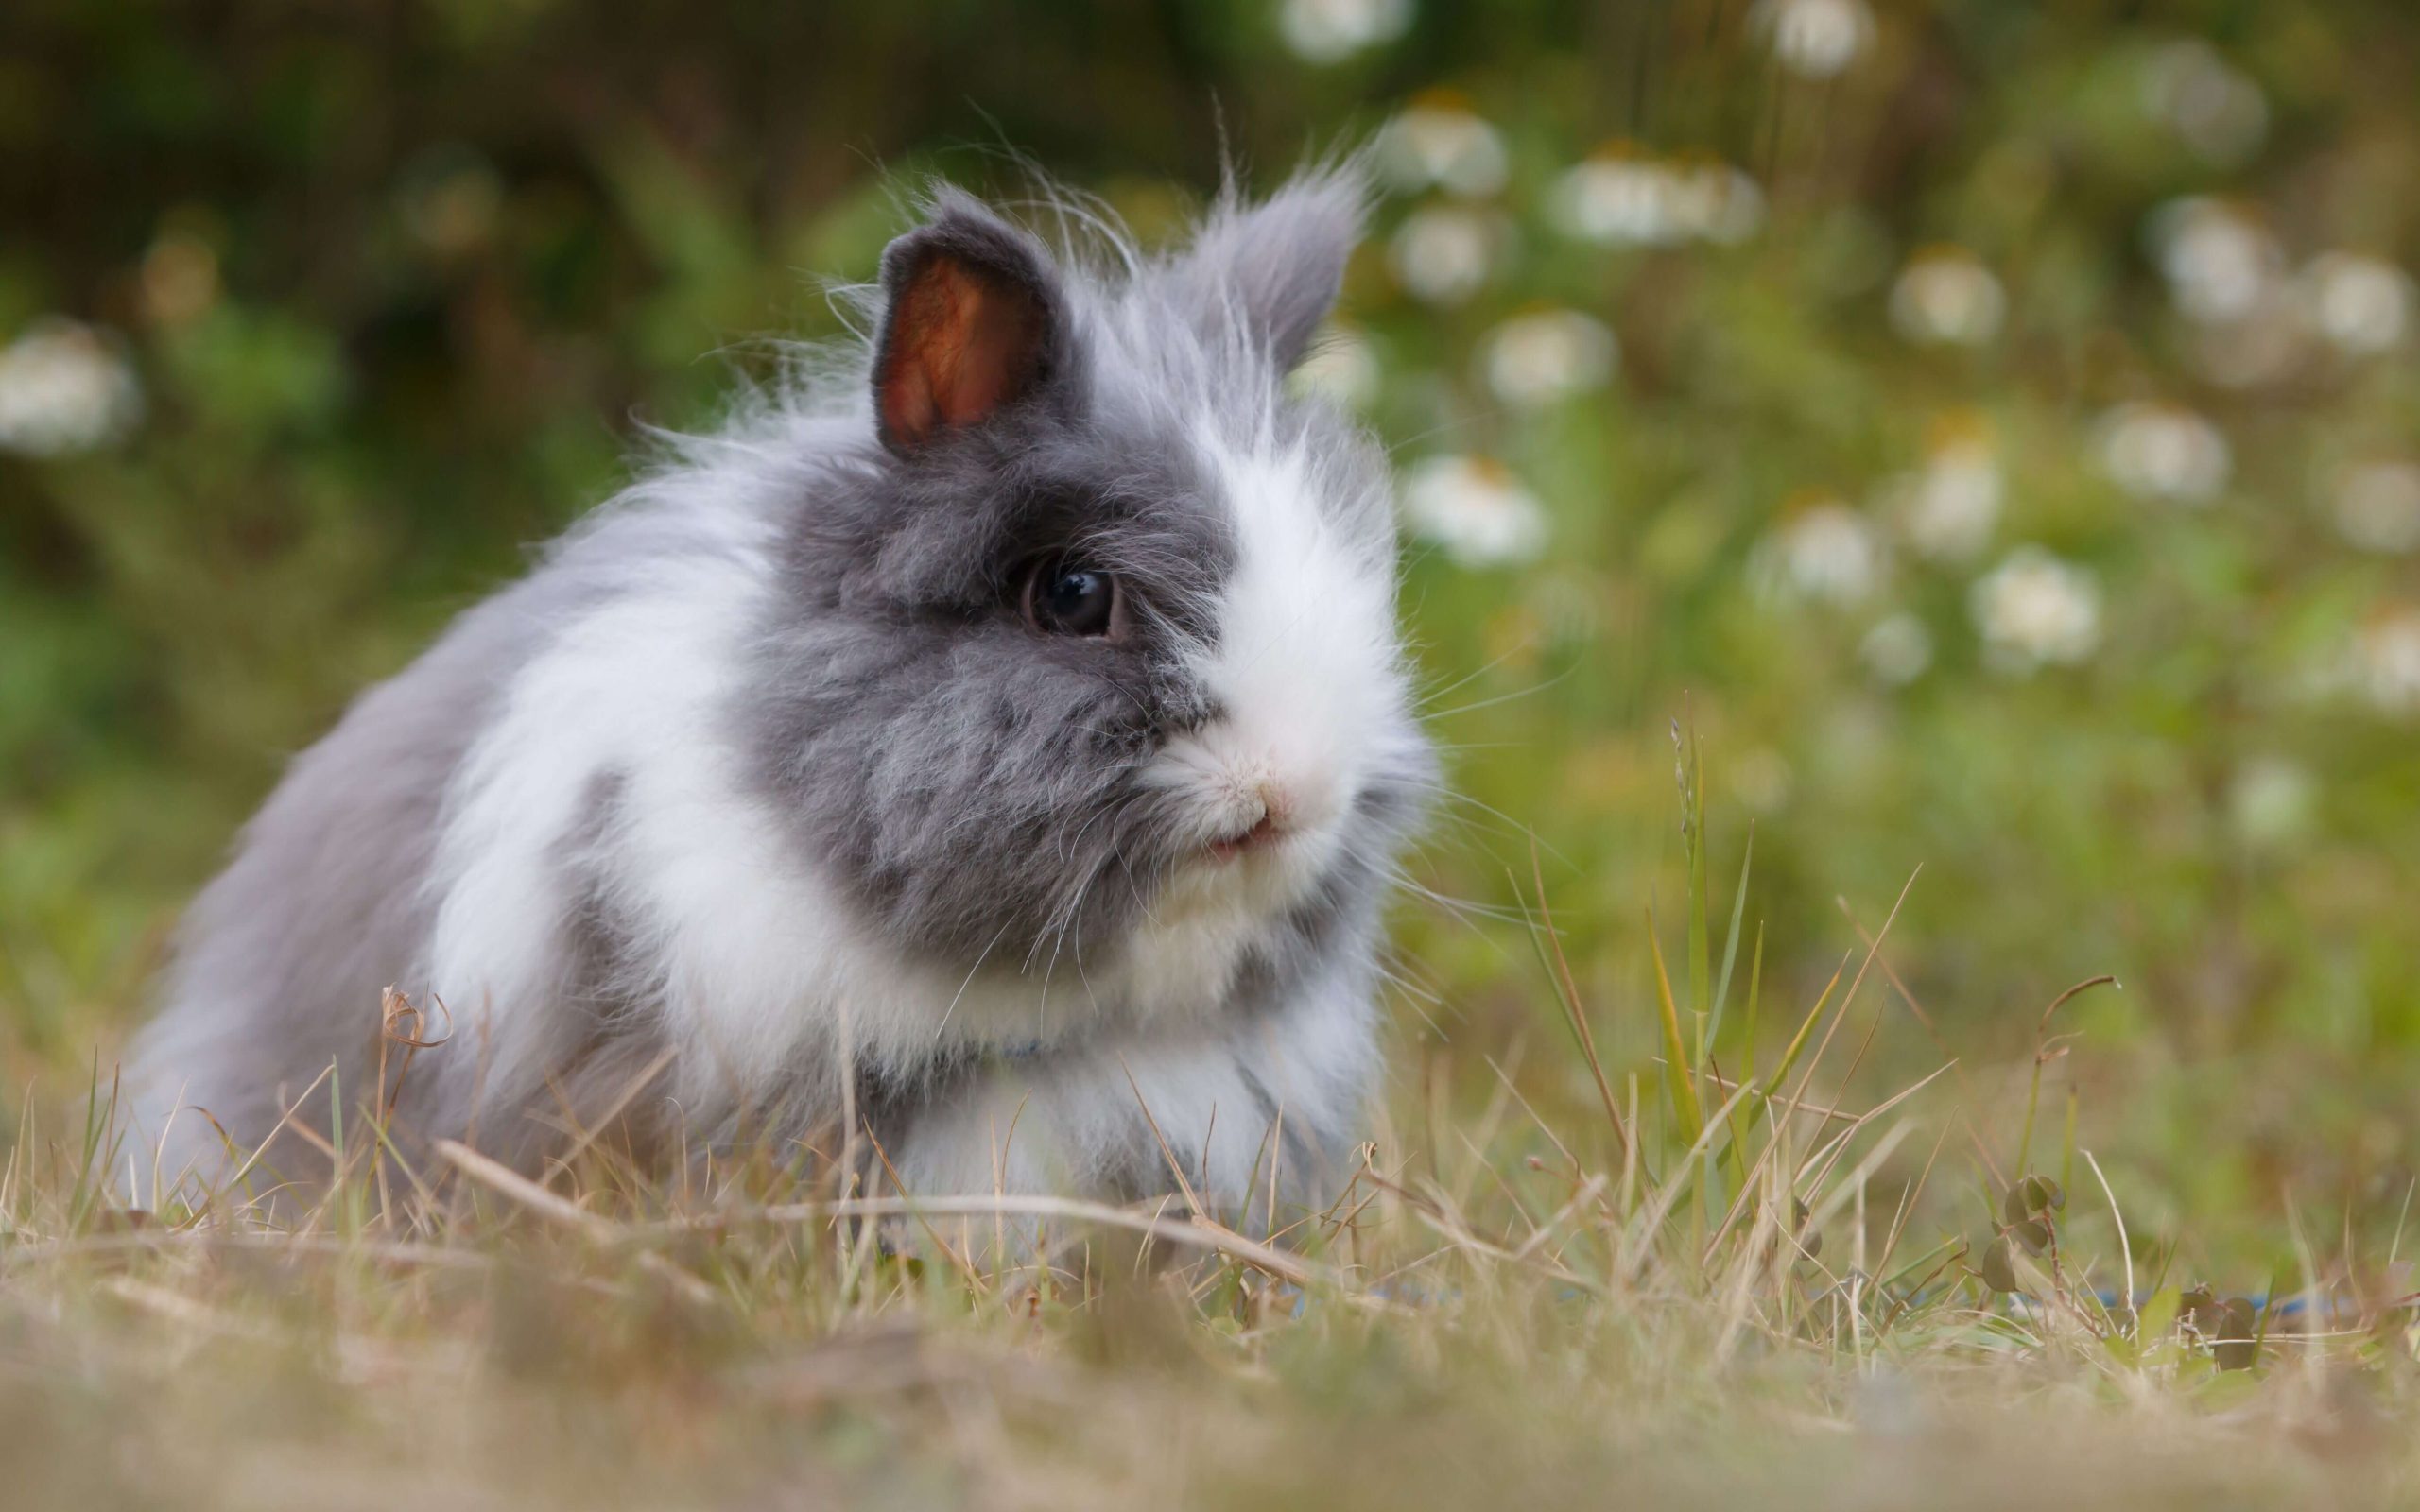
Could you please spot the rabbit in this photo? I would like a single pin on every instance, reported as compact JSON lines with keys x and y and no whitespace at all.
{"x":997,"y":743}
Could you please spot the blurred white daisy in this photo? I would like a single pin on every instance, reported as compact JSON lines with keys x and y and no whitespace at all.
{"x":1619,"y":196}
{"x":65,"y":388}
{"x":1815,"y":39}
{"x":1951,"y":507}
{"x":2270,"y":801}
{"x":1824,"y":551}
{"x":1475,"y":509}
{"x":1442,"y":255}
{"x":1945,"y":294}
{"x":2034,"y":610}
{"x":2386,"y":661}
{"x":2220,"y":262}
{"x":2164,"y":452}
{"x":1328,"y":31}
{"x":1897,"y":650}
{"x":1439,"y":142}
{"x":1714,"y":201}
{"x":2362,"y":305}
{"x":2227,"y":274}
{"x":2214,"y":109}
{"x":1548,"y":356}
{"x":2377,"y":506}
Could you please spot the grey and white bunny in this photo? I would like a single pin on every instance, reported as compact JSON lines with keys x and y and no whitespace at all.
{"x":949,"y":747}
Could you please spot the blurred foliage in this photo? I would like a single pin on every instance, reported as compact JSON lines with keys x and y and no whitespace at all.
{"x":1992,"y":428}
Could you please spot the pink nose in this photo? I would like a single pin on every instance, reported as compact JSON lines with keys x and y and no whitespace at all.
{"x":1277,"y":816}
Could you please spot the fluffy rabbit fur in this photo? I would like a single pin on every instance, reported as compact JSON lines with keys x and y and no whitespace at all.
{"x":767,"y":801}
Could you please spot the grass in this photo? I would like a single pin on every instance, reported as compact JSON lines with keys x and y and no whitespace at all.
{"x":1690,"y":1282}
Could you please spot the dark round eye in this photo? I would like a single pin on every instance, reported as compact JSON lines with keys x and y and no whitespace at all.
{"x":1068,"y":598}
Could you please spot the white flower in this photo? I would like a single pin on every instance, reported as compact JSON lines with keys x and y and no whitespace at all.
{"x":1824,"y":551}
{"x":1815,"y":39}
{"x":1949,"y":509}
{"x":1440,"y":143}
{"x":2377,"y":506}
{"x":1537,"y":359}
{"x":2034,"y":610}
{"x":63,"y":387}
{"x":1945,"y":294}
{"x":1622,"y":197}
{"x":1897,"y":650}
{"x":1328,"y":31}
{"x":2227,"y":274}
{"x":2362,"y":305}
{"x":2215,"y":111}
{"x":1714,"y":202}
{"x":2161,"y":451}
{"x":2386,"y":661}
{"x":1476,"y":508}
{"x":1618,"y":197}
{"x":2271,"y":801}
{"x":2220,"y":262}
{"x":1444,"y":253}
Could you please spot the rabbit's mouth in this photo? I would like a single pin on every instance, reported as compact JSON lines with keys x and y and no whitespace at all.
{"x":1262,"y":833}
{"x":1260,"y":855}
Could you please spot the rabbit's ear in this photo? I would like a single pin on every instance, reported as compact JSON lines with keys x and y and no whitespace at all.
{"x":1277,"y":265}
{"x":970,"y":325}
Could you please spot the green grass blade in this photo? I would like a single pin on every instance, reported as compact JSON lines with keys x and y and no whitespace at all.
{"x":1731,"y":943}
{"x":1755,"y":998}
{"x":1676,"y":1063}
{"x":1701,"y":976}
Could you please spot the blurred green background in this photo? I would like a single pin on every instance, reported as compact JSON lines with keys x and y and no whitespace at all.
{"x":1992,"y":428}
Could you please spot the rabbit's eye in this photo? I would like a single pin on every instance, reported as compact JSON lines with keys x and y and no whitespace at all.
{"x":1065,"y":597}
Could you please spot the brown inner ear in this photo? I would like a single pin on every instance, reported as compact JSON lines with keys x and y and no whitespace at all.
{"x":963,"y":342}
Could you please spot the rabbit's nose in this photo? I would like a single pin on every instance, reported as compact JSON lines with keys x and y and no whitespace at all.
{"x":1271,"y":817}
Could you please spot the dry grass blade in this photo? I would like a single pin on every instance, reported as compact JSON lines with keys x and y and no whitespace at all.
{"x":1192,"y":1233}
{"x":507,"y":1182}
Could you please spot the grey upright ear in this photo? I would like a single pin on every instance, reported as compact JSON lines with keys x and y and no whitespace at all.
{"x":1277,"y":265}
{"x":971,"y":325}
